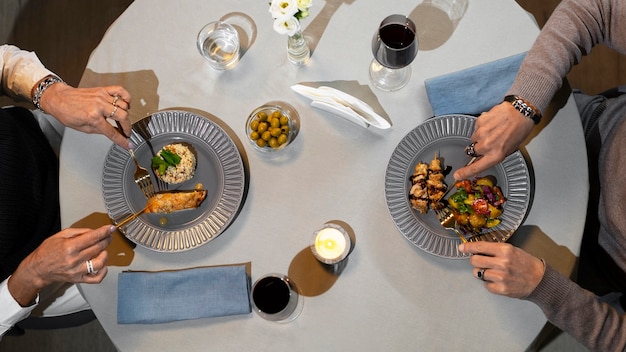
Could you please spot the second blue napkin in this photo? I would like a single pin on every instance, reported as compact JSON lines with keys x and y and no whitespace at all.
{"x":474,"y":90}
{"x":165,"y":296}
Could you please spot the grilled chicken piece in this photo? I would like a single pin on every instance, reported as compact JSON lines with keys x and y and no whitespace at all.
{"x":168,"y":202}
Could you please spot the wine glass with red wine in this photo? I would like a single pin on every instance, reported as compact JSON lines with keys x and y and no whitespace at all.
{"x":394,"y":47}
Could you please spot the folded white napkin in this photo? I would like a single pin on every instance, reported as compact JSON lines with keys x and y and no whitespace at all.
{"x":159,"y":297}
{"x":474,"y":90}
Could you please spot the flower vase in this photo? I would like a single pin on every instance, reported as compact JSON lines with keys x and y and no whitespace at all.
{"x":298,"y":51}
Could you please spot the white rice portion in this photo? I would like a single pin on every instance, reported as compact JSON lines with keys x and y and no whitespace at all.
{"x":185,"y":170}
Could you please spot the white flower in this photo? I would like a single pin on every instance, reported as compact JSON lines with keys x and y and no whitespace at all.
{"x":283,"y":9}
{"x":304,"y":5}
{"x":288,"y":13}
{"x":287,"y":26}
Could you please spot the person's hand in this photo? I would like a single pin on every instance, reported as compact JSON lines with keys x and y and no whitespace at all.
{"x":87,"y":109}
{"x":506,"y":269}
{"x":62,"y":258}
{"x":497,"y":133}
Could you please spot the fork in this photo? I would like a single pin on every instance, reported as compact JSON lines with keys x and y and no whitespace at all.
{"x":142,"y":178}
{"x":446,"y":219}
{"x":445,"y":215}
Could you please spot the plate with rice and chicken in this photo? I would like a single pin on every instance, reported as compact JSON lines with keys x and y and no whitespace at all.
{"x":197,"y":171}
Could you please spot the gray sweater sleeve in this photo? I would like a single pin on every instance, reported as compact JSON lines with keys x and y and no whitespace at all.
{"x":572,"y":30}
{"x":578,"y":312}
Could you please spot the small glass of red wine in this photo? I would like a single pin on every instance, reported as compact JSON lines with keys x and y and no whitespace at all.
{"x":394,"y":47}
{"x":276,"y":297}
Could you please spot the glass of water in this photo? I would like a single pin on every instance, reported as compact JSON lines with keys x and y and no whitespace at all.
{"x":218,"y":42}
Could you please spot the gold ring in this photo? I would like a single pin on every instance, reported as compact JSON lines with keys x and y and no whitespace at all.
{"x":115,"y":99}
{"x":114,"y":111}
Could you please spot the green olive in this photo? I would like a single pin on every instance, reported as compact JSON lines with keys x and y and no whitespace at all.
{"x":274,"y":122}
{"x":262,"y":127}
{"x":275,"y":131}
{"x":270,"y":128}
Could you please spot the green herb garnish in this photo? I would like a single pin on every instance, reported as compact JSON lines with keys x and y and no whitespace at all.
{"x":460,"y":196}
{"x":165,"y":159}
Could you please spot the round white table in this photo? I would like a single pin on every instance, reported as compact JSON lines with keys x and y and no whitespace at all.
{"x":391,"y":296}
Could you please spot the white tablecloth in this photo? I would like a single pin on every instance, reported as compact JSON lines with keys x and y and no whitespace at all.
{"x":391,"y":296}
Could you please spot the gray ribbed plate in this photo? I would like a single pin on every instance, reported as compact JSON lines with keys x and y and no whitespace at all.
{"x":447,"y":136}
{"x":219,"y":169}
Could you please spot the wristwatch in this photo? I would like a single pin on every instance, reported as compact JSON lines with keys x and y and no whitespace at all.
{"x":524,"y":107}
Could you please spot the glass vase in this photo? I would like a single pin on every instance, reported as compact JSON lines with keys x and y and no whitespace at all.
{"x":298,"y":51}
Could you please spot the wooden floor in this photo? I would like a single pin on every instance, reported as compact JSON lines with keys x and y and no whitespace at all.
{"x":64,"y":32}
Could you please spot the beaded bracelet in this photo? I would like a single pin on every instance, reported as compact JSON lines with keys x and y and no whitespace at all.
{"x":42,"y":86}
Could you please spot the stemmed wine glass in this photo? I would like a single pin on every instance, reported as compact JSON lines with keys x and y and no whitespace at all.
{"x":394,"y":47}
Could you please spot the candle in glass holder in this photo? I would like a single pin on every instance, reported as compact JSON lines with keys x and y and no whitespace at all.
{"x":331,"y":244}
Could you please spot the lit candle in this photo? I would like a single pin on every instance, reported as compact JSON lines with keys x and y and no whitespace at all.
{"x":331,"y":244}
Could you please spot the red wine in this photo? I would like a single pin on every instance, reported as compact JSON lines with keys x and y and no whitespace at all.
{"x":271,"y":295}
{"x":395,"y":45}
{"x":397,"y":35}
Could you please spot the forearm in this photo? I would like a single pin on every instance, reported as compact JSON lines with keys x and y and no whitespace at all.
{"x":21,"y":70}
{"x":11,"y":311}
{"x":24,"y":284}
{"x":571,"y":32}
{"x":579,"y":313}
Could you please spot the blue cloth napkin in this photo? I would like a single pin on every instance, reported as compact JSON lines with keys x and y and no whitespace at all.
{"x":165,"y":296}
{"x":474,"y":90}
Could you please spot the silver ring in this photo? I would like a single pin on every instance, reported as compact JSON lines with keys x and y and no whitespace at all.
{"x":481,"y":274}
{"x":115,"y":99}
{"x":469,"y":150}
{"x":114,"y":111}
{"x":90,"y":267}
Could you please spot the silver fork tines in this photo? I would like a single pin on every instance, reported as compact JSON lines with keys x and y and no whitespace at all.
{"x":142,"y":178}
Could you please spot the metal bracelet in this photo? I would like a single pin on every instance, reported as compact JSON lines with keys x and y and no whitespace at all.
{"x":42,"y":86}
{"x":524,"y":107}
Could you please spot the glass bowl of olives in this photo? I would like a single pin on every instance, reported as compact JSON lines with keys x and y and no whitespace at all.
{"x":273,"y":126}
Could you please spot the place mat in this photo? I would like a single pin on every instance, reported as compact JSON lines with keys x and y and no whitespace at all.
{"x":166,"y":296}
